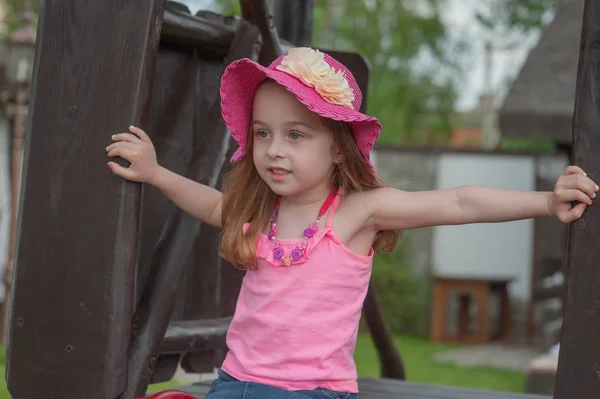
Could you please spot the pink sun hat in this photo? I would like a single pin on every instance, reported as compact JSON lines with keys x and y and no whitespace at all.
{"x":320,"y":82}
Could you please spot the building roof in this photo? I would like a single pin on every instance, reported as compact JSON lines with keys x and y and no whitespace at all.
{"x":541,"y":100}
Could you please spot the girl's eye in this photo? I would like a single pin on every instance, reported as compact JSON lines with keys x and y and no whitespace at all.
{"x":295,"y":135}
{"x":262,"y":133}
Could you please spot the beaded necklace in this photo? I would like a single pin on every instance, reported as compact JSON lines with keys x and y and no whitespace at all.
{"x":300,"y":251}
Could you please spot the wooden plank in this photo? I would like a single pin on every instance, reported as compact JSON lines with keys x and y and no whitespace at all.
{"x":195,"y":335}
{"x":74,"y":281}
{"x":183,"y":29}
{"x":393,"y":389}
{"x":202,"y":281}
{"x":578,"y":366}
{"x":172,"y":131}
{"x":387,"y":388}
{"x":201,"y":285}
{"x":178,"y":236}
{"x":171,"y":128}
{"x":213,"y":283}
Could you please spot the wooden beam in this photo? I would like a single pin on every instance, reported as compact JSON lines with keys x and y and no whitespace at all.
{"x":578,"y":365}
{"x":294,"y":21}
{"x":261,"y":14}
{"x":389,"y":357}
{"x":195,"y":335}
{"x":171,"y":128}
{"x":211,"y":36}
{"x":179,"y":234}
{"x":382,"y":388}
{"x":75,"y":266}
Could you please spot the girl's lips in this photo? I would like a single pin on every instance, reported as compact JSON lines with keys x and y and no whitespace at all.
{"x":278,"y":174}
{"x":280,"y":171}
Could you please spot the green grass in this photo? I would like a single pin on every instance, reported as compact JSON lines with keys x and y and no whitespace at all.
{"x":527,"y":144}
{"x":417,"y":354}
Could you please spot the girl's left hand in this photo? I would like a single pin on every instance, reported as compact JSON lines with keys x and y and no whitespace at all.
{"x":572,"y":185}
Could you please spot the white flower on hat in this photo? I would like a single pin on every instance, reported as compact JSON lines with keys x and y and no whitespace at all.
{"x":310,"y":67}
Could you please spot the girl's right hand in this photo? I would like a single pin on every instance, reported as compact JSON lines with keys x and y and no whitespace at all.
{"x":136,"y":147}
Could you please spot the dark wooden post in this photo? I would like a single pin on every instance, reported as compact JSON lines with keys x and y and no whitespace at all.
{"x":578,"y":374}
{"x":70,"y":321}
{"x":389,"y":357}
{"x":294,"y":21}
{"x":261,"y":14}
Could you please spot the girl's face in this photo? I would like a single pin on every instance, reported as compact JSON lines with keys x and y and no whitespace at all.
{"x":292,"y":149}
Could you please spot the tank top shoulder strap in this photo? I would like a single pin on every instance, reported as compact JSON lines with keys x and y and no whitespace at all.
{"x":334,"y":205}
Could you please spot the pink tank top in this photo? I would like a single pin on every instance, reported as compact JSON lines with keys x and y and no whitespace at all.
{"x":295,"y":327}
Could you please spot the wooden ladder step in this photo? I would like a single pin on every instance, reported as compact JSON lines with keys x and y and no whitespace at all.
{"x":195,"y":335}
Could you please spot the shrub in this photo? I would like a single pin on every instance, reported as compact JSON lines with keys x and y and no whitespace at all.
{"x":404,"y":297}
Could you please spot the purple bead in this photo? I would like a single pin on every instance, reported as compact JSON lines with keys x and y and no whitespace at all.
{"x":297,"y":254}
{"x":271,"y":234}
{"x":309,"y":232}
{"x":277,"y":253}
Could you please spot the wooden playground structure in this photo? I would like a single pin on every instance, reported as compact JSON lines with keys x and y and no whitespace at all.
{"x":114,"y":287}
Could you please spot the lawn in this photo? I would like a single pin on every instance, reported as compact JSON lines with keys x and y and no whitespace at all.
{"x":417,"y":355}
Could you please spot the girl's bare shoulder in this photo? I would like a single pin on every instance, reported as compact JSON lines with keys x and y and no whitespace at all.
{"x":355,"y":209}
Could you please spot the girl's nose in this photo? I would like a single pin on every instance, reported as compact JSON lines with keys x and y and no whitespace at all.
{"x":276,"y":149}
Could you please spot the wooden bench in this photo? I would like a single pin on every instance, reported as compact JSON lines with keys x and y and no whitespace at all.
{"x":385,"y":388}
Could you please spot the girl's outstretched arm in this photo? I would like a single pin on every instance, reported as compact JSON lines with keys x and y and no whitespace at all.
{"x":396,"y":209}
{"x":198,"y":200}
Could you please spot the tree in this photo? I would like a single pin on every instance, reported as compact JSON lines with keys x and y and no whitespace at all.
{"x":514,"y":17}
{"x":416,"y":65}
{"x":13,"y":10}
{"x":405,"y":42}
{"x":412,"y":87}
{"x":512,"y":24}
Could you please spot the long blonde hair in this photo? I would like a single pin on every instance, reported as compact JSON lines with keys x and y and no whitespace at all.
{"x":247,"y":198}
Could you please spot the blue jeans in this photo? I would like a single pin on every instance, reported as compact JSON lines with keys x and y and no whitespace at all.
{"x":227,"y":387}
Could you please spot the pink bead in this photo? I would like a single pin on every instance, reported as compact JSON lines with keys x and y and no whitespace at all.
{"x":297,"y":254}
{"x":277,"y":253}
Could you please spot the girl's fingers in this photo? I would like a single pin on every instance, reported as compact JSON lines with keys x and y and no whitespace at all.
{"x":574,"y":195}
{"x":122,"y":144}
{"x":574,"y":213}
{"x":572,"y":169}
{"x":129,"y":146}
{"x":140,"y":133}
{"x":579,"y":182}
{"x":122,"y":171}
{"x":131,"y":138}
{"x":122,"y":152}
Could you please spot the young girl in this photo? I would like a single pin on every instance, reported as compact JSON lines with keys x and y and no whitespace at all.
{"x":304,"y":212}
